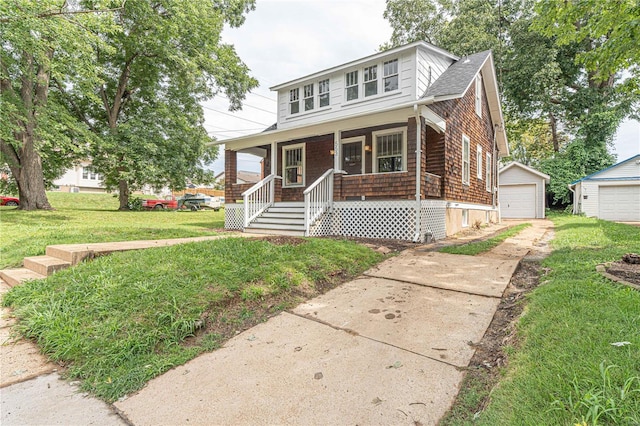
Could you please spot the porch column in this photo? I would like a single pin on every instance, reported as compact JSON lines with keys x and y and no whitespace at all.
{"x":274,"y":158}
{"x":336,"y":150}
{"x":418,"y":123}
{"x":230,"y":174}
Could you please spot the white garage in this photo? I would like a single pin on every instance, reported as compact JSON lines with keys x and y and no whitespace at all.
{"x":610,"y":194}
{"x":521,"y":193}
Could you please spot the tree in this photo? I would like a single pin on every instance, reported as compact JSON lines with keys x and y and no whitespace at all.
{"x":545,"y":74}
{"x":41,"y":41}
{"x":166,"y":58}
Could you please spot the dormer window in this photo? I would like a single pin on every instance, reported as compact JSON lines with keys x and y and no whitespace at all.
{"x":370,"y":77}
{"x":294,"y":101}
{"x":351,"y":84}
{"x":308,"y":97}
{"x":390,"y":78}
{"x":323,"y":93}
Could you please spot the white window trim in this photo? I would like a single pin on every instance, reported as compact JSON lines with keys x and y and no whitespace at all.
{"x":312,"y":97}
{"x":380,"y":78}
{"x":355,"y":139}
{"x":374,"y":151}
{"x":479,"y":161}
{"x":465,"y":218}
{"x":284,"y":165}
{"x":466,"y":180}
{"x":478,"y":97}
{"x":488,"y":171}
{"x":357,"y":85}
{"x":328,"y":93}
{"x":290,"y":102}
{"x":397,"y":73}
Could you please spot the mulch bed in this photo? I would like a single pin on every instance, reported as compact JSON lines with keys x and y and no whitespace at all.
{"x":629,"y":272}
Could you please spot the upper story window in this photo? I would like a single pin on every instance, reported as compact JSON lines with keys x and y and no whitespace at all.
{"x":294,"y":101}
{"x":323,"y":93}
{"x":479,"y":95}
{"x":390,"y":77}
{"x":373,"y":82}
{"x":479,"y":162}
{"x":89,"y":173}
{"x":465,"y":159}
{"x":389,"y":151}
{"x":308,"y":97}
{"x":351,"y":84}
{"x":370,"y":77}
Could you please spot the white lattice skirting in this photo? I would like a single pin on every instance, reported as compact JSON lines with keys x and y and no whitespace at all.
{"x":392,"y":219}
{"x":234,"y":216}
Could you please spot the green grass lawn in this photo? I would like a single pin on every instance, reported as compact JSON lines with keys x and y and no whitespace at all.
{"x":474,"y":248}
{"x":565,"y":370}
{"x":93,"y":218}
{"x":122,"y":319}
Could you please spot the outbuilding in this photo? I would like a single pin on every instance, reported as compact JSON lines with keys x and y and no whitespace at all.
{"x":521,"y":192}
{"x":610,"y":194}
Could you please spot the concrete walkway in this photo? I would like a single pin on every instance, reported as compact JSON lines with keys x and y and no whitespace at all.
{"x":386,"y":348}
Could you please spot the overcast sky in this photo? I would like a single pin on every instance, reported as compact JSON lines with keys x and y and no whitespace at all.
{"x":285,"y":39}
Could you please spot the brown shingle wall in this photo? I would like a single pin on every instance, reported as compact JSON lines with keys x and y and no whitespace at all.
{"x":318,"y":160}
{"x":230,"y":175}
{"x":462,"y":119}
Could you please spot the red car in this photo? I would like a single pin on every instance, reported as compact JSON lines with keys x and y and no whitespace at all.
{"x":9,"y":201}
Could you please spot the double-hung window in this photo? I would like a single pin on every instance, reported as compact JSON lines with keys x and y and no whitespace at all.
{"x":294,"y":101}
{"x":479,"y":95}
{"x":479,"y":162}
{"x":390,"y":75}
{"x":389,"y":152}
{"x":351,"y":84}
{"x":370,"y":77}
{"x":323,"y":93}
{"x":308,"y":97}
{"x":488,"y":172}
{"x":465,"y":159}
{"x":293,"y":165}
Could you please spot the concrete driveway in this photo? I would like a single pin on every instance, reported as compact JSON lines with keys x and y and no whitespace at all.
{"x":386,"y":348}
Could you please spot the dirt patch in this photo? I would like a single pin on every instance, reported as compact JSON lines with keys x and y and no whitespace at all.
{"x":380,"y":244}
{"x":629,"y":272}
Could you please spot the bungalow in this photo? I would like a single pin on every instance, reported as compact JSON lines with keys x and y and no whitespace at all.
{"x":402,"y":144}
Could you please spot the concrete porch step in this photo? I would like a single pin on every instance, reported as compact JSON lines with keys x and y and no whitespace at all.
{"x":14,"y":277}
{"x":45,"y":265}
{"x":293,"y":220}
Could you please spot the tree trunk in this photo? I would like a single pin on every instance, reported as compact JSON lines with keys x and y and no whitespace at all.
{"x":123,"y":194}
{"x":29,"y":177}
{"x":554,"y":132}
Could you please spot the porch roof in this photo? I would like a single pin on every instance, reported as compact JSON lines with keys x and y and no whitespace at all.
{"x":370,"y":118}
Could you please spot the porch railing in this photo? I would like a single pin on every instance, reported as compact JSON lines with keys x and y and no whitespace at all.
{"x":318,"y":198}
{"x":258,"y":198}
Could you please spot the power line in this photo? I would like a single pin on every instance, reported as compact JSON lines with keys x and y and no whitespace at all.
{"x":249,"y":105}
{"x":234,"y":116}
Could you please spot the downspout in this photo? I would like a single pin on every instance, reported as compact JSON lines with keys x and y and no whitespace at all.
{"x":496,"y":184}
{"x":417,"y":236}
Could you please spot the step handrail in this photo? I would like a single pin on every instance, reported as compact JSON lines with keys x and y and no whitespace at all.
{"x":318,"y":199}
{"x":258,"y":198}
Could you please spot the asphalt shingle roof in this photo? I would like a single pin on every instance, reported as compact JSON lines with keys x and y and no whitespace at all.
{"x":455,"y":79}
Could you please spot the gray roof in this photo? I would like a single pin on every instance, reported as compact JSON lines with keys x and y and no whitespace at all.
{"x":456,"y":79}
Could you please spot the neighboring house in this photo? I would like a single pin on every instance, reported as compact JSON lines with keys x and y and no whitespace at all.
{"x":402,"y":144}
{"x":242,"y":177}
{"x":522,"y":191}
{"x":610,"y":194}
{"x":80,"y":178}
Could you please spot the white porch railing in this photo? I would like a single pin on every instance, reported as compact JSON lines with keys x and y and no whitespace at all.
{"x":318,"y":198}
{"x":258,"y":198}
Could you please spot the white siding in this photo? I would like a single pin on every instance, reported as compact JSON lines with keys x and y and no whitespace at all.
{"x":624,"y":170}
{"x":518,"y":176}
{"x":589,"y":191}
{"x":338,"y":108}
{"x":429,"y":63}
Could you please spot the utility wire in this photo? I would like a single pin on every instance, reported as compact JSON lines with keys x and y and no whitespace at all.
{"x":234,"y":116}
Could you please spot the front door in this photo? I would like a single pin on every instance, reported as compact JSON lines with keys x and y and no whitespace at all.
{"x":352,"y":157}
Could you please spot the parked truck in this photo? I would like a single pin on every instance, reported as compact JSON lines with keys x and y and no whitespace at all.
{"x":159,"y":204}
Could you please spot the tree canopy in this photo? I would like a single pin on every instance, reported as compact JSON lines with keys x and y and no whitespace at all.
{"x":559,"y":66}
{"x":117,"y":82}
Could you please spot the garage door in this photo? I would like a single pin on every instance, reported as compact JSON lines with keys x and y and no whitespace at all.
{"x":518,"y":201}
{"x":619,"y":203}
